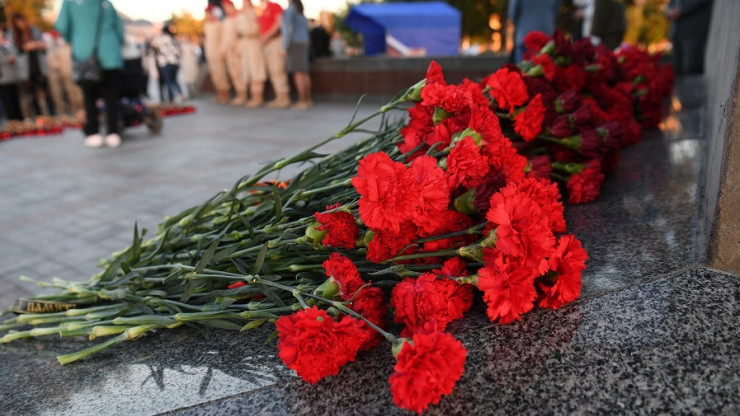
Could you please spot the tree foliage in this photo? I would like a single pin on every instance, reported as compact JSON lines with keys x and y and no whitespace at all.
{"x":32,"y":10}
{"x":186,"y":24}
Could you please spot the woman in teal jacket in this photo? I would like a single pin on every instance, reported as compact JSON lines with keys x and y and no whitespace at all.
{"x":78,"y":24}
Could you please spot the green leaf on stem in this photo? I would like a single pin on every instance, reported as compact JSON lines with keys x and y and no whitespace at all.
{"x":203,"y":262}
{"x":253,"y":324}
{"x":260,"y":259}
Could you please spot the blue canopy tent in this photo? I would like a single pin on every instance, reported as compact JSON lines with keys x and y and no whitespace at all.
{"x":434,"y":26}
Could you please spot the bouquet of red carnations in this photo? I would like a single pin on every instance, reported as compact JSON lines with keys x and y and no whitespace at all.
{"x":457,"y":201}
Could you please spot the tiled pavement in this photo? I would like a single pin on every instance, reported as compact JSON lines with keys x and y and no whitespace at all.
{"x":63,"y":207}
{"x":653,"y":332}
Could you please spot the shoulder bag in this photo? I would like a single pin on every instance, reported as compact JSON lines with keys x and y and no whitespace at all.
{"x":87,"y":71}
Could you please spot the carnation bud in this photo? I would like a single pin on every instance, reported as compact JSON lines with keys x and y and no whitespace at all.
{"x":314,"y":235}
{"x":561,"y":126}
{"x":465,"y":203}
{"x":535,"y":71}
{"x":328,"y":290}
{"x":590,"y":143}
{"x":570,"y":168}
{"x":398,"y":346}
{"x":549,"y":48}
{"x":365,"y":240}
{"x":474,"y":252}
{"x":468,"y":132}
{"x":439,"y":115}
{"x":414,"y":93}
{"x":567,"y":102}
{"x":582,"y":116}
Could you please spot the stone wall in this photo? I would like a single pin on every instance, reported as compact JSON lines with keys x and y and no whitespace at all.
{"x":719,"y":201}
{"x":383,"y":77}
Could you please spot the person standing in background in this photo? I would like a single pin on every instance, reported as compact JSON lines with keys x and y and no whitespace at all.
{"x":66,"y":94}
{"x":531,"y":15}
{"x":584,"y":17}
{"x":32,"y":50}
{"x":168,"y":52}
{"x":270,"y":19}
{"x":212,"y":30}
{"x":319,"y":39}
{"x":609,"y":23}
{"x":252,"y":59}
{"x":190,"y":64}
{"x":9,"y":81}
{"x":297,"y":50}
{"x":689,"y":30}
{"x":231,"y":52}
{"x":94,"y":25}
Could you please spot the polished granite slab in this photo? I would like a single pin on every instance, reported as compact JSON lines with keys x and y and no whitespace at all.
{"x":665,"y":347}
{"x":652,"y":332}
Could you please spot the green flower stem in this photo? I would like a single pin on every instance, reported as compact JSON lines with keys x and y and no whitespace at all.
{"x":339,"y":305}
{"x":468,"y":231}
{"x":314,"y":191}
{"x":441,"y":253}
{"x":129,"y":334}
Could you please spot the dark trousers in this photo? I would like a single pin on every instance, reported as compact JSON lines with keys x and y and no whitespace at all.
{"x":169,"y":73}
{"x":107,"y":89}
{"x":688,"y":54}
{"x":10,"y":96}
{"x":38,"y":86}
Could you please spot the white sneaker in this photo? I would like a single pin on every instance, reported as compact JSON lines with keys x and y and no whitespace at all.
{"x":113,"y":140}
{"x":94,"y":140}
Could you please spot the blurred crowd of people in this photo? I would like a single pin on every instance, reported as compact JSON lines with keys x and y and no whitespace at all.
{"x":35,"y":73}
{"x":259,"y":43}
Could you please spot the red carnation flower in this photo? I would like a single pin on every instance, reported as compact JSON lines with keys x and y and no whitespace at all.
{"x":547,"y":195}
{"x":427,"y":299}
{"x":485,"y":123}
{"x":522,"y":227}
{"x":418,"y":129}
{"x":561,"y":126}
{"x":535,"y":40}
{"x":389,"y":194}
{"x":508,"y":89}
{"x":528,"y":123}
{"x":370,"y":304}
{"x":504,"y":158}
{"x":426,"y":369}
{"x":585,"y":186}
{"x":435,"y":194}
{"x":454,"y":267}
{"x":566,"y":264}
{"x":507,"y":285}
{"x":341,"y":269}
{"x":341,"y":228}
{"x":540,"y":167}
{"x":548,"y":66}
{"x":313,"y":344}
{"x":466,"y":164}
{"x":387,"y":243}
{"x":434,"y":74}
{"x":567,"y":102}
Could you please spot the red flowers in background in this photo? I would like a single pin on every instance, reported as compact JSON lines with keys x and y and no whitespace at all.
{"x":585,"y":186}
{"x":507,"y":89}
{"x":528,"y":123}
